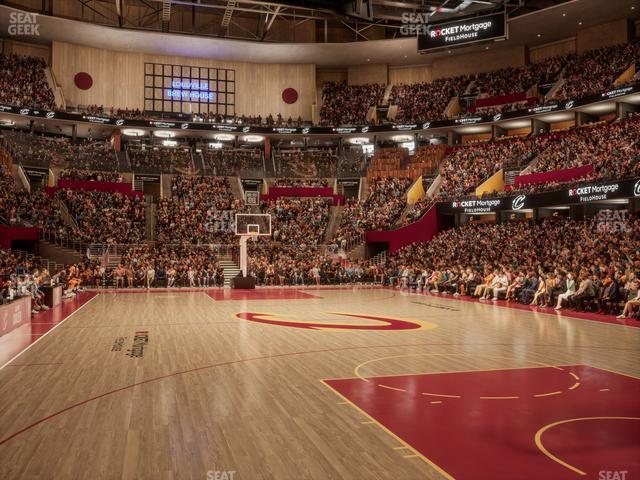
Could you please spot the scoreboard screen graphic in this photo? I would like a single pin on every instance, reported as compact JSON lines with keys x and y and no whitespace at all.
{"x":461,"y":32}
{"x":187,"y":89}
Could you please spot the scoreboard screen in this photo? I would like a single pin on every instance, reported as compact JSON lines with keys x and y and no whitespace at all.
{"x":461,"y":32}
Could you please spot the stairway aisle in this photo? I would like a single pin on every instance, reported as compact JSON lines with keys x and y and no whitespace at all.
{"x":230,"y":268}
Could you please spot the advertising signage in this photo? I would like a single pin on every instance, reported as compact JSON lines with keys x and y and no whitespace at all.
{"x":462,"y":32}
{"x":183,"y":124}
{"x":586,"y":193}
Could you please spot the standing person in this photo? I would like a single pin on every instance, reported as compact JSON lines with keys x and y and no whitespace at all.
{"x":151,"y":275}
{"x":315,"y":273}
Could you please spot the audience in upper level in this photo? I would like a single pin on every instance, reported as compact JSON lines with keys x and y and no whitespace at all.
{"x":344,"y":104}
{"x":23,"y":82}
{"x":161,"y":159}
{"x":317,"y":162}
{"x":90,"y":175}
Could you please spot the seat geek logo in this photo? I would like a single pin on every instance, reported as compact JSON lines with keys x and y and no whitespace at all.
{"x":23,"y":24}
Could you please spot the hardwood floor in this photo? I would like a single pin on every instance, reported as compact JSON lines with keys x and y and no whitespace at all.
{"x":213,"y":393}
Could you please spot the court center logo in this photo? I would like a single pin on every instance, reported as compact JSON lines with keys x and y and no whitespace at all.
{"x":383,"y":323}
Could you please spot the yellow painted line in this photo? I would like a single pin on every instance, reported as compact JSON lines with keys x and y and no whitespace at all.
{"x":426,"y":460}
{"x":391,"y":388}
{"x":436,"y":401}
{"x":575,"y":385}
{"x":440,"y":395}
{"x":541,"y":447}
{"x":605,"y":390}
{"x":497,"y":398}
{"x":410,"y":456}
{"x":548,"y":394}
{"x":574,"y":376}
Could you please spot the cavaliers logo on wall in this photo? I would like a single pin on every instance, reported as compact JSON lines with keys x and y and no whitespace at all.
{"x":375,"y":322}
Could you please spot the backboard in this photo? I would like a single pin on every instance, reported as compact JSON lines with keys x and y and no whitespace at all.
{"x":253,"y":224}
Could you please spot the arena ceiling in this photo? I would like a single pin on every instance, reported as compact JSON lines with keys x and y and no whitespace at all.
{"x":323,"y":21}
{"x":527,"y":26}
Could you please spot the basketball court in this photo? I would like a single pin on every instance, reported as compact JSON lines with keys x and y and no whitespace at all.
{"x":309,"y":383}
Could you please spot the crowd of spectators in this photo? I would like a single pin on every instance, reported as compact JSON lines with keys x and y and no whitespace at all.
{"x":468,"y":166}
{"x":383,"y":207}
{"x":344,"y":104}
{"x":556,"y":262}
{"x":232,"y":161}
{"x":425,"y":100}
{"x":19,"y":277}
{"x":302,"y":182}
{"x":23,"y":82}
{"x":595,"y":71}
{"x":21,"y":208}
{"x":297,"y":221}
{"x":58,"y":151}
{"x":90,"y":175}
{"x":201,"y":210}
{"x":105,"y":217}
{"x":147,"y":159}
{"x":317,"y":162}
{"x":613,"y":149}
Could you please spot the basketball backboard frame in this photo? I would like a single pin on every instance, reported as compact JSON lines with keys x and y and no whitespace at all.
{"x":253,"y":224}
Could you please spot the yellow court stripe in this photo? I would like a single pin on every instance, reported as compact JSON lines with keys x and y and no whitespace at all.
{"x":440,"y":395}
{"x":433,"y":465}
{"x":548,"y":394}
{"x":497,"y":398}
{"x":575,"y":385}
{"x":436,"y":401}
{"x":574,"y":376}
{"x":541,"y":447}
{"x":391,"y":388}
{"x":605,"y":390}
{"x":410,"y":456}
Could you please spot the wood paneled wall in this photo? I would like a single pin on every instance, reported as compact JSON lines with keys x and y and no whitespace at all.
{"x":29,"y":49}
{"x":328,"y":74}
{"x":411,"y":74}
{"x":553,"y":49}
{"x":603,"y":35}
{"x":118,"y":79}
{"x":374,"y":73}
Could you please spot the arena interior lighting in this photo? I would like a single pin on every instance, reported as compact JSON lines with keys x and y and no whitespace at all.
{"x":133,"y":132}
{"x":7,"y":123}
{"x":402,"y":138}
{"x":224,"y":137}
{"x":253,"y":138}
{"x":359,"y":140}
{"x":164,"y":133}
{"x":215,"y":145}
{"x":169,"y":143}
